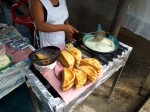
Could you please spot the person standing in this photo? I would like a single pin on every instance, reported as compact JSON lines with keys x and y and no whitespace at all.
{"x":51,"y":21}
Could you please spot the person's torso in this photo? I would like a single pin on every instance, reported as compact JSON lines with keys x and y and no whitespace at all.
{"x":55,"y":15}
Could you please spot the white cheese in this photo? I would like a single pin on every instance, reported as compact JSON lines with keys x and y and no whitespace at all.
{"x":100,"y":46}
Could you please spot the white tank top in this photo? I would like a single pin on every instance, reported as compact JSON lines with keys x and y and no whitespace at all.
{"x":55,"y":15}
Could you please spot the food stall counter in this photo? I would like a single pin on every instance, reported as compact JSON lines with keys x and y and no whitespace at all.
{"x":51,"y":97}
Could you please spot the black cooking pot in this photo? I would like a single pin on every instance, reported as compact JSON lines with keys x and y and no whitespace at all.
{"x":51,"y":52}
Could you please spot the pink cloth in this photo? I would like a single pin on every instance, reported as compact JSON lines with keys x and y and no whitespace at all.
{"x":52,"y":77}
{"x":18,"y":55}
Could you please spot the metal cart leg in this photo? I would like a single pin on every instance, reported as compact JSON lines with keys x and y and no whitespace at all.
{"x":115,"y":82}
{"x":145,"y":87}
{"x":33,"y":97}
{"x":34,"y":100}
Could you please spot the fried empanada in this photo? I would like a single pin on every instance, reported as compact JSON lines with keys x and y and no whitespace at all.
{"x":68,"y":87}
{"x":67,"y":59}
{"x":76,"y":53}
{"x":89,"y":71}
{"x":80,"y":78}
{"x":68,"y":77}
{"x":92,"y":62}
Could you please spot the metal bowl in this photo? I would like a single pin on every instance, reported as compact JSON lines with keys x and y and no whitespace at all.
{"x":51,"y":52}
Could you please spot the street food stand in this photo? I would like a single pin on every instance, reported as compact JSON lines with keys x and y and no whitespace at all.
{"x":46,"y":85}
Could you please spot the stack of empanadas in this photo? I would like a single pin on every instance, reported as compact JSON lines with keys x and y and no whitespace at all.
{"x":76,"y":54}
{"x":92,"y":62}
{"x":89,"y":71}
{"x":68,"y":78}
{"x":77,"y":70}
{"x":80,"y":78}
{"x":67,"y":59}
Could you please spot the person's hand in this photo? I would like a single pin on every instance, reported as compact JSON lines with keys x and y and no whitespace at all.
{"x":70,"y":30}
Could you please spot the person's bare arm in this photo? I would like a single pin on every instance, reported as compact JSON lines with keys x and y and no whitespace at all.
{"x":70,"y":35}
{"x":38,"y":17}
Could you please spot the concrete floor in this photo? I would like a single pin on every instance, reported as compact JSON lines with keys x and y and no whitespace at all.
{"x":125,"y":96}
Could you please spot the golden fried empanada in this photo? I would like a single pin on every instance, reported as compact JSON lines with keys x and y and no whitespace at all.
{"x":67,"y":59}
{"x":68,"y":78}
{"x":80,"y":78}
{"x":92,"y":62}
{"x":76,"y":53}
{"x":69,"y":86}
{"x":89,"y":71}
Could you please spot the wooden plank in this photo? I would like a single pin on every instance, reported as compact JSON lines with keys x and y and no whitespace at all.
{"x":119,"y":17}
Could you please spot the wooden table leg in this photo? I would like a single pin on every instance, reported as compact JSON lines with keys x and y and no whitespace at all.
{"x":119,"y":17}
